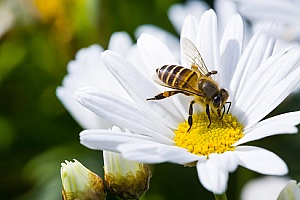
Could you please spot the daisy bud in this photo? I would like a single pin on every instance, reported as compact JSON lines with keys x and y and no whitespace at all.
{"x":291,"y":191}
{"x":125,"y":179}
{"x":80,"y":183}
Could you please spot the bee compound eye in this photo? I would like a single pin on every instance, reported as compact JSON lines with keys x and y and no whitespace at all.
{"x":224,"y":93}
{"x":217,"y":101}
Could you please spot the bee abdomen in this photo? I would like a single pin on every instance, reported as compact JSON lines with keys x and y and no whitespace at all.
{"x":174,"y":75}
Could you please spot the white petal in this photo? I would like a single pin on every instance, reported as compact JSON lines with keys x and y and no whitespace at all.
{"x":178,"y":12}
{"x":277,"y":10}
{"x":101,"y":139}
{"x":268,"y":188}
{"x":136,"y":147}
{"x":153,"y":152}
{"x":260,"y":160}
{"x":154,"y":53}
{"x":189,"y":30}
{"x":279,"y":86}
{"x":259,"y":48}
{"x":225,"y":10}
{"x":213,"y":173}
{"x":87,"y":70}
{"x":226,"y":161}
{"x":120,"y":42}
{"x":133,"y":56}
{"x":165,"y":37}
{"x":122,"y":113}
{"x":261,"y":77}
{"x":212,"y":177}
{"x":85,"y":117}
{"x":231,"y":49}
{"x":280,"y":124}
{"x":89,"y":54}
{"x":207,"y":40}
{"x":140,"y":88}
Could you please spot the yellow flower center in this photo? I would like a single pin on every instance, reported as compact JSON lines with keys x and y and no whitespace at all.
{"x":203,"y":140}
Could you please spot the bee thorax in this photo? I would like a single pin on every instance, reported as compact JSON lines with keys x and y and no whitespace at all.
{"x":209,"y":88}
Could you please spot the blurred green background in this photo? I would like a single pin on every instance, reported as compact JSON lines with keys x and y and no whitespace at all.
{"x":36,"y":131}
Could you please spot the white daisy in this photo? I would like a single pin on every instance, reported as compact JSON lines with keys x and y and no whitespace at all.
{"x":257,"y":82}
{"x":284,"y":12}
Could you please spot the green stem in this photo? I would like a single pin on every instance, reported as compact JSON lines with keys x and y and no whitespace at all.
{"x":221,"y":196}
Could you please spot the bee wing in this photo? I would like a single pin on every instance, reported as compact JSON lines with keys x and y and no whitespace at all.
{"x":187,"y":89}
{"x":193,"y":57}
{"x":157,"y":80}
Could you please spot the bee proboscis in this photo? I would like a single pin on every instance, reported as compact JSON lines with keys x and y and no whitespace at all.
{"x":196,"y":82}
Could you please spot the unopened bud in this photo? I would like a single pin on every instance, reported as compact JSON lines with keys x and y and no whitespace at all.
{"x":80,"y":183}
{"x":125,"y":179}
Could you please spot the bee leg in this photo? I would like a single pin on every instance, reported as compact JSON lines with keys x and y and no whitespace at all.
{"x":190,"y":118}
{"x":229,"y":102}
{"x":164,"y":95}
{"x":221,"y":116}
{"x":219,"y":112}
{"x":208,"y":114}
{"x":157,"y":97}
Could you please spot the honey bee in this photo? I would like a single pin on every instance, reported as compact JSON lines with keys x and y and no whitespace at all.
{"x":196,"y":82}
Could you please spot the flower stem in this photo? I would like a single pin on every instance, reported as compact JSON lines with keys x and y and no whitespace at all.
{"x":221,"y":196}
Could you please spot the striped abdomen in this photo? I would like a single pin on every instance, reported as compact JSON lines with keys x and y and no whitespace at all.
{"x":176,"y":76}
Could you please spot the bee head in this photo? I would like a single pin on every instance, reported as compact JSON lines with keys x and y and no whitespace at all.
{"x":219,"y":100}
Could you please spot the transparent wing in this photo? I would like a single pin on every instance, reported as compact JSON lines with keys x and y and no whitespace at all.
{"x":193,"y":57}
{"x":157,"y":80}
